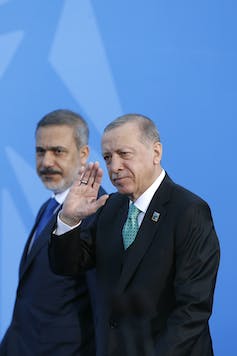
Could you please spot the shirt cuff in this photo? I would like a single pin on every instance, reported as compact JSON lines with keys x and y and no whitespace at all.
{"x":62,"y":228}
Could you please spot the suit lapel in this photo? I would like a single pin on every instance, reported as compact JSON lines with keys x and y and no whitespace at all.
{"x":25,"y":252}
{"x":148,"y":230}
{"x":120,"y":220}
{"x":28,"y":257}
{"x":112,"y":242}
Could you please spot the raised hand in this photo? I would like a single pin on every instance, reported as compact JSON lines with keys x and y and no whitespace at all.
{"x":82,"y":199}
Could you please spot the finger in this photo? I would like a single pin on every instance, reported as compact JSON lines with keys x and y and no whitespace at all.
{"x":95,"y":174}
{"x":84,"y":179}
{"x":78,"y":178}
{"x":98,"y":178}
{"x":101,"y":201}
{"x":81,"y":171}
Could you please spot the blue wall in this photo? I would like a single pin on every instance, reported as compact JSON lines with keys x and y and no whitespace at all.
{"x":174,"y":61}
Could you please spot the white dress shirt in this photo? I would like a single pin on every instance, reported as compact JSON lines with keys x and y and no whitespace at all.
{"x":144,"y":200}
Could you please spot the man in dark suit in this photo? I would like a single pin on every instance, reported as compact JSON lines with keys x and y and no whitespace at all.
{"x":155,"y":291}
{"x":53,"y":314}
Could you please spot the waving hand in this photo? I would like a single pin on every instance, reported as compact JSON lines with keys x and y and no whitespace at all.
{"x":82,"y":198}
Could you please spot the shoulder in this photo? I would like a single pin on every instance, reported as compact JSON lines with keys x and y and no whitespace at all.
{"x":116,"y":200}
{"x":182,"y":195}
{"x":109,"y":213}
{"x":113,"y":206}
{"x":190,"y":216}
{"x":181,"y":203}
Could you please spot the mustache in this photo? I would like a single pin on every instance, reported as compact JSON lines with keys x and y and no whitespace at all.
{"x":48,"y":171}
{"x":117,"y":176}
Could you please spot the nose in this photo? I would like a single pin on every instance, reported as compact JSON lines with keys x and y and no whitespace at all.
{"x":47,"y":159}
{"x":115,"y":164}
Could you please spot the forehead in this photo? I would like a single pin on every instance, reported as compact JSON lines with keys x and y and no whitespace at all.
{"x":55,"y":135}
{"x":125,"y":134}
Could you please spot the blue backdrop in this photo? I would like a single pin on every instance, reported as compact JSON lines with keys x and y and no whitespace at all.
{"x":174,"y":61}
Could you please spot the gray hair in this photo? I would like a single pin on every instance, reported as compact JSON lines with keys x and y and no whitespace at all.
{"x":148,"y":129}
{"x":68,"y":118}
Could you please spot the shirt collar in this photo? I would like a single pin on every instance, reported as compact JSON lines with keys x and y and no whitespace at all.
{"x":60,"y":197}
{"x":144,"y":200}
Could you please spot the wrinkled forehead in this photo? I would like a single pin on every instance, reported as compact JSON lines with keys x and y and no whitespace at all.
{"x":123,"y":130}
{"x":126,"y":136}
{"x":53,"y":136}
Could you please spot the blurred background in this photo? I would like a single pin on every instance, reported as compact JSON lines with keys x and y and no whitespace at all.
{"x":174,"y":61}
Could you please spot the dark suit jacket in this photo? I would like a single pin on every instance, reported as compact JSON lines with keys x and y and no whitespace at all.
{"x":52,"y":314}
{"x":156,"y":297}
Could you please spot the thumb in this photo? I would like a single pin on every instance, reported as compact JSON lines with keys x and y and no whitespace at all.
{"x":101,"y":201}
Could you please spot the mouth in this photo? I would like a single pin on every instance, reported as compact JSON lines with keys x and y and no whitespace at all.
{"x":118,"y":180}
{"x":48,"y":175}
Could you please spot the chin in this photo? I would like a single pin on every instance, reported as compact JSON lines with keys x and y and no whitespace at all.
{"x":124,"y":190}
{"x":54,"y":187}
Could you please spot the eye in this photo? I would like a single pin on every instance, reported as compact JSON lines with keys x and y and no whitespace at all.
{"x":107,"y":158}
{"x":58,"y":151}
{"x":125,"y":154}
{"x":40,"y":151}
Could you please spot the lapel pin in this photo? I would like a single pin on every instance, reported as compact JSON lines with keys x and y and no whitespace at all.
{"x":155,"y":216}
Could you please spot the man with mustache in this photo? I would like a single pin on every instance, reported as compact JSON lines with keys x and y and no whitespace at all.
{"x":53,"y":314}
{"x":153,"y":243}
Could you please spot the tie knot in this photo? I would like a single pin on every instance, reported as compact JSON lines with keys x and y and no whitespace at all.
{"x":49,"y":211}
{"x":52,"y":205}
{"x":133,"y":211}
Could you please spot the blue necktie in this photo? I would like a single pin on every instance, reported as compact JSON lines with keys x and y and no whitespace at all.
{"x":131,"y":226}
{"x":46,"y":216}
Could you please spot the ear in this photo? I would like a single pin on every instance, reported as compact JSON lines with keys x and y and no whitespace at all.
{"x":84,"y":154}
{"x":157,"y":152}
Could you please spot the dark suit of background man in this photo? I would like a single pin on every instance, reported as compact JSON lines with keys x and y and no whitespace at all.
{"x":52,"y":314}
{"x":156,"y":296}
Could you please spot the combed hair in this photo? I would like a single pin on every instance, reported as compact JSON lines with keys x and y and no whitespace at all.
{"x":148,"y":129}
{"x":68,"y":118}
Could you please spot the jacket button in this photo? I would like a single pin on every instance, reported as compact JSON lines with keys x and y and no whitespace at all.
{"x":113,"y":324}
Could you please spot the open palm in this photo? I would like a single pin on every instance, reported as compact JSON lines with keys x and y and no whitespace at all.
{"x":82,"y":199}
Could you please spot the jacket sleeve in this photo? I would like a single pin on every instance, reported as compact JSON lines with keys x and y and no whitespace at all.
{"x":197,"y":260}
{"x":73,"y":252}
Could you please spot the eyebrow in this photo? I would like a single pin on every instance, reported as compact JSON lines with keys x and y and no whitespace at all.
{"x":50,"y":148}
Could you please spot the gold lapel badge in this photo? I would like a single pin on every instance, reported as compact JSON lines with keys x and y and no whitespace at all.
{"x":155,"y":216}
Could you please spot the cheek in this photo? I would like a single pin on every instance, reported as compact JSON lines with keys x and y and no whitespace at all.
{"x":140,"y":174}
{"x":38,"y":164}
{"x":108,"y":171}
{"x":134,"y":171}
{"x":70,"y":171}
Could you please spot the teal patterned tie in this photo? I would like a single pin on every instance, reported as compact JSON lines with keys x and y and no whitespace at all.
{"x":131,"y":226}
